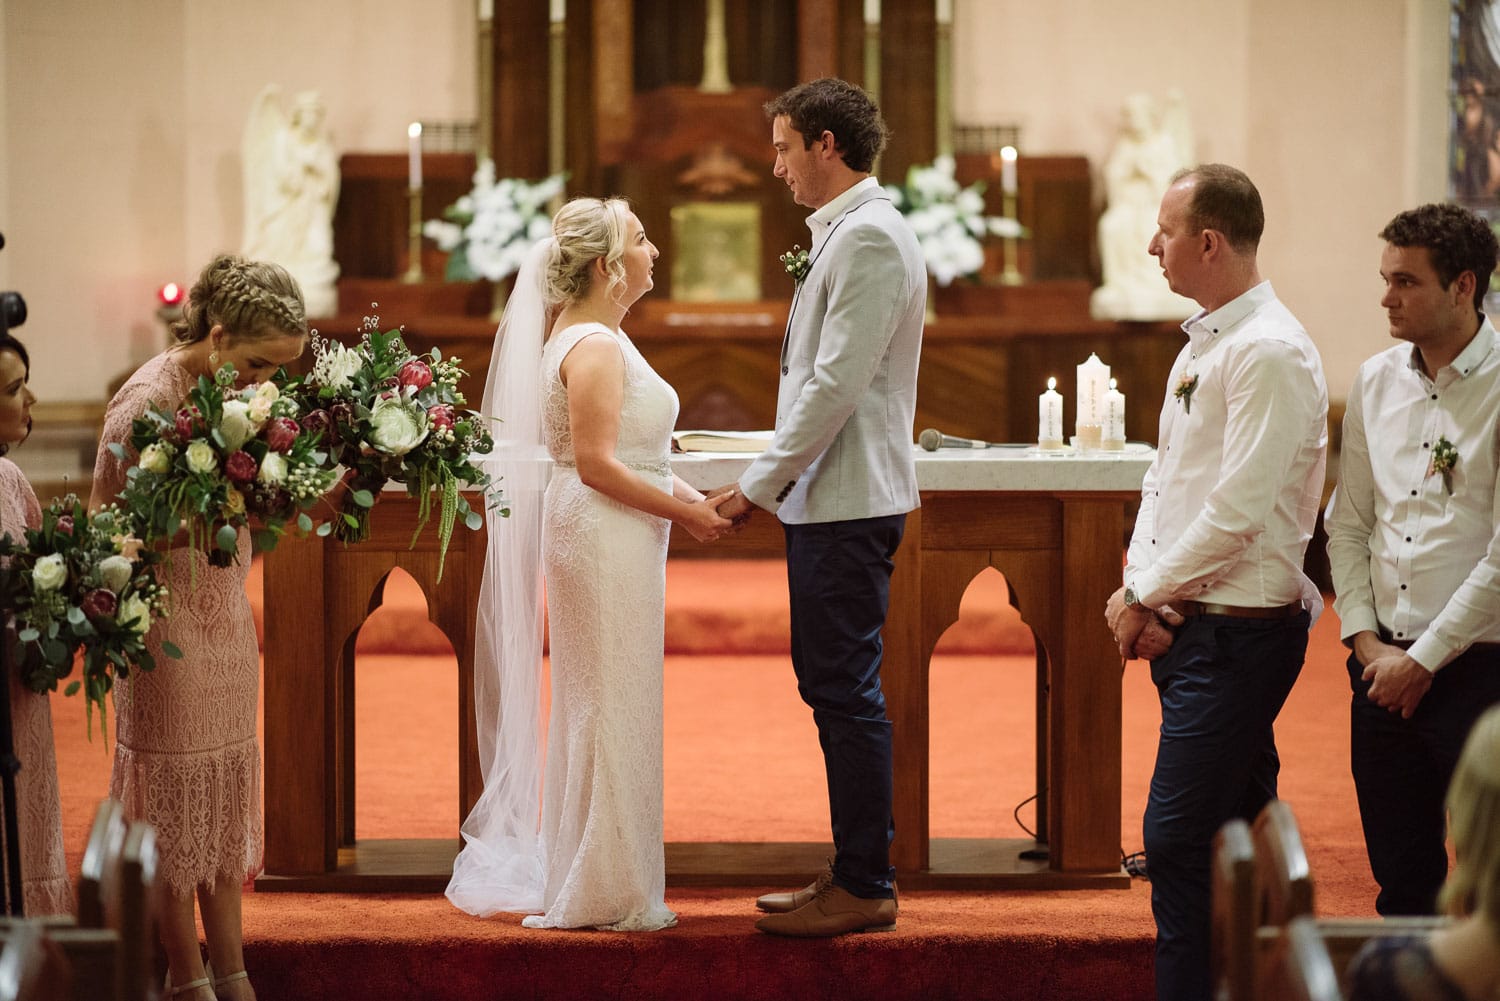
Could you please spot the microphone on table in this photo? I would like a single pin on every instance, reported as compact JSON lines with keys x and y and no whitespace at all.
{"x":932,"y":439}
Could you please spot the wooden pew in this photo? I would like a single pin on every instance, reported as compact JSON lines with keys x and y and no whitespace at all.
{"x":110,"y":949}
{"x":1300,"y":968}
{"x":1260,"y":883}
{"x":32,"y":966}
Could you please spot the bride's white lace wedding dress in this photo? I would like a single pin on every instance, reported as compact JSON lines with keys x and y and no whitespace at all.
{"x":605,"y":565}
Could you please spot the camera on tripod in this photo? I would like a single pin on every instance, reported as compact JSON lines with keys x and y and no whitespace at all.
{"x":12,"y":306}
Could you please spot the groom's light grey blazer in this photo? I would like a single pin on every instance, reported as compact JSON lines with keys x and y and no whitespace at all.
{"x":848,"y":391}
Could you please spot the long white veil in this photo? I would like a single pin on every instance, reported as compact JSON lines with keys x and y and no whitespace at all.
{"x":500,"y":866}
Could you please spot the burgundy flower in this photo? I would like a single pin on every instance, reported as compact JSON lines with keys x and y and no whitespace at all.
{"x":342,"y":414}
{"x":281,"y":433}
{"x":190,"y":422}
{"x":99,"y":603}
{"x":319,"y":422}
{"x":440,"y":415}
{"x":65,"y":524}
{"x":241,"y":467}
{"x":416,"y":373}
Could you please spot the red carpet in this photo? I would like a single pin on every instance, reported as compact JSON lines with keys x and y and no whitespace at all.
{"x":742,"y":763}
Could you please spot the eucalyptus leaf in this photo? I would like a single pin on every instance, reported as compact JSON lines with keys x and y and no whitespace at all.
{"x":171,"y":650}
{"x":226,"y":538}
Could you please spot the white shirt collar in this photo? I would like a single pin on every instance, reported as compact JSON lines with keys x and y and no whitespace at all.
{"x":1206,"y":325}
{"x":828,"y":214}
{"x":1476,"y":351}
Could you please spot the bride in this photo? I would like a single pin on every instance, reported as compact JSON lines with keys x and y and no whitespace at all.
{"x":583,"y":848}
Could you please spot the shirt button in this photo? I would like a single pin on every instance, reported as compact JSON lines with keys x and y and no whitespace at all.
{"x":1434,"y":396}
{"x":1403,"y":587}
{"x":1399,"y":635}
{"x":1408,"y":538}
{"x":1413,"y":493}
{"x":785,"y":370}
{"x":1426,"y":445}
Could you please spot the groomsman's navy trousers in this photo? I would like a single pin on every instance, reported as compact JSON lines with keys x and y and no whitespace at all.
{"x":1402,"y":768}
{"x":1221,"y":685}
{"x":839,"y":577}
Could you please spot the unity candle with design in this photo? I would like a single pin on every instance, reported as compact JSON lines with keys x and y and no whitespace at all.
{"x":1093,"y":384}
{"x":1114,"y":419}
{"x":1050,"y":417}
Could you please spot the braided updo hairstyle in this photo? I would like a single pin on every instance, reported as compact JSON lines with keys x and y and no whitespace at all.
{"x":250,"y":299}
{"x":584,"y":230}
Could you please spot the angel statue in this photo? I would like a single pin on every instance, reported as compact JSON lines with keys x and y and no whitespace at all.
{"x":1151,"y":148}
{"x":291,"y":187}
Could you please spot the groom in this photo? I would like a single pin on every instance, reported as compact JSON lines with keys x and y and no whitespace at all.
{"x":839,"y":473}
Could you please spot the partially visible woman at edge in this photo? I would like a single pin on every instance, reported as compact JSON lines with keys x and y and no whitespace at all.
{"x":592,"y":856}
{"x":186,"y":755}
{"x":44,"y":871}
{"x":1461,"y":961}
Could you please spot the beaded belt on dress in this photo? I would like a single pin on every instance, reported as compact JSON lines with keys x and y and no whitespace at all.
{"x":662,"y":467}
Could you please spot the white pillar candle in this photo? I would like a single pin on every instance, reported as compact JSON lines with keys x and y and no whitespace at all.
{"x":1114,"y":418}
{"x":1008,"y":170}
{"x":414,"y":156}
{"x":872,"y":11}
{"x":559,"y":10}
{"x":1093,"y":383}
{"x":944,"y":11}
{"x":486,"y":10}
{"x":1050,"y":417}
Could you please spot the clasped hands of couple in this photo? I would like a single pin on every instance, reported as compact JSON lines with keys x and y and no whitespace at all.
{"x":721,"y":512}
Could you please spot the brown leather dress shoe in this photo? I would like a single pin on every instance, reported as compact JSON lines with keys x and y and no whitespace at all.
{"x":832,"y":911}
{"x":785,"y":903}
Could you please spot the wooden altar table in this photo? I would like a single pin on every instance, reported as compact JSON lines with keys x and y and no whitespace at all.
{"x":1053,"y":526}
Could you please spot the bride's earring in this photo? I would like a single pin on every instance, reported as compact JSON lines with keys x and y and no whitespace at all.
{"x":213,"y":361}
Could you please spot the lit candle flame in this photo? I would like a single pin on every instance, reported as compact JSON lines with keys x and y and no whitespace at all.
{"x":1051,"y":383}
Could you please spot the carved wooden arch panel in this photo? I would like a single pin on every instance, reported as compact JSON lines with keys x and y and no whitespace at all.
{"x":946,"y":576}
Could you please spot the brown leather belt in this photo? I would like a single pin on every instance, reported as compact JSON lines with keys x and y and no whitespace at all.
{"x":1191,"y":609}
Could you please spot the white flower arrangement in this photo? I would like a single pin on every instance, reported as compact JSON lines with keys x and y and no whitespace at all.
{"x":488,"y":231}
{"x":949,"y":220}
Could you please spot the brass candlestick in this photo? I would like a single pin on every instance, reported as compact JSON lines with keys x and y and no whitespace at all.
{"x":413,"y":236}
{"x":1010,"y":252}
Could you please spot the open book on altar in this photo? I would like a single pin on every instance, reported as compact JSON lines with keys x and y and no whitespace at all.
{"x":721,"y":441}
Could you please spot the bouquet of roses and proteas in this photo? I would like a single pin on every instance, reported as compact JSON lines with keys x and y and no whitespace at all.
{"x":224,"y":459}
{"x":392,"y":414}
{"x":81,"y":581}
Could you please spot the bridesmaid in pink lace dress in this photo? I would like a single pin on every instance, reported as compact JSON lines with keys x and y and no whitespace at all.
{"x":186,"y":754}
{"x":44,"y":871}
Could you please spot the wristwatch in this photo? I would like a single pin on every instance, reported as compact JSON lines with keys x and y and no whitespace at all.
{"x":1130,"y":598}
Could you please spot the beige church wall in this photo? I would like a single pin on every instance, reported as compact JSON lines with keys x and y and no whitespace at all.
{"x":1336,"y":108}
{"x":120,"y":127}
{"x":120,"y":147}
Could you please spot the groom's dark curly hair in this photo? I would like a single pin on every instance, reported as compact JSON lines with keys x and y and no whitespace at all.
{"x":833,"y":105}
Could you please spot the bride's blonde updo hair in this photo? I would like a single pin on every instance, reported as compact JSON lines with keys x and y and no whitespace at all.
{"x":250,"y":299}
{"x":584,"y":230}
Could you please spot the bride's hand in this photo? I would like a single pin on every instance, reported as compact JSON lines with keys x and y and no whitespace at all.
{"x":703,"y":520}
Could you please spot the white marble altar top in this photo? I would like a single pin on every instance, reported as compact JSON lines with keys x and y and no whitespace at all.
{"x":1002,"y":469}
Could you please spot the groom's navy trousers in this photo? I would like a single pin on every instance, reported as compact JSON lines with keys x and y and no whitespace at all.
{"x":839,"y":576}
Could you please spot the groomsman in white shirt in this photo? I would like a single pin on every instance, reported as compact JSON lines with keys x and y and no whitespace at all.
{"x":1227,"y":509}
{"x":1415,"y":547}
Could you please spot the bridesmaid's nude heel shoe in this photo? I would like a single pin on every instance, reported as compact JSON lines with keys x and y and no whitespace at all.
{"x":190,"y":987}
{"x":221,"y":984}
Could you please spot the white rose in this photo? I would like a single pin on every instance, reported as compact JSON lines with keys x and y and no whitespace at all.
{"x":136,"y":611}
{"x":268,"y":390}
{"x":201,"y":457}
{"x":273,"y":469}
{"x":115,"y":570}
{"x":50,"y":572}
{"x":236,"y":426}
{"x":260,"y":410}
{"x":156,"y":458}
{"x":397,"y":427}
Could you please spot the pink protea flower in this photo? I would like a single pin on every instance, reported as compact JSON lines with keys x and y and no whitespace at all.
{"x":416,"y":374}
{"x":281,"y":434}
{"x":99,"y":603}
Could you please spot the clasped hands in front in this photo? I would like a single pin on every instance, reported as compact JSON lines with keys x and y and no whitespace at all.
{"x":722,"y":512}
{"x":1141,"y":632}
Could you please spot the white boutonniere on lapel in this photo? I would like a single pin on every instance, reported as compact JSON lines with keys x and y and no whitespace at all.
{"x":1444,"y":458}
{"x":1184,"y":391}
{"x":796,"y":263}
